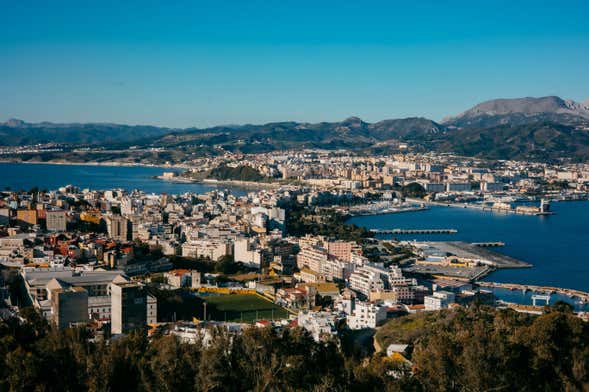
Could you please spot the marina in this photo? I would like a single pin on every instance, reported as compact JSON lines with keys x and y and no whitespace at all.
{"x":554,"y":244}
{"x":465,"y":250}
{"x":414,"y":231}
{"x":578,"y":295}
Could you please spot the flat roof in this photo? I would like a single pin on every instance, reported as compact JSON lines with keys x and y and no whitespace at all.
{"x":41,"y":278}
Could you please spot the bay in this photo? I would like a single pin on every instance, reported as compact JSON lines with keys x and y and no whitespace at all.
{"x":557,"y":245}
{"x":17,"y":176}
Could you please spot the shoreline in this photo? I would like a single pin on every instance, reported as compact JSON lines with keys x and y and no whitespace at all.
{"x":236,"y":183}
{"x":107,"y":164}
{"x":520,"y":279}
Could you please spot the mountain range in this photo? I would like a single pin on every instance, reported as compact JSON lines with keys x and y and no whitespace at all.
{"x":523,"y":128}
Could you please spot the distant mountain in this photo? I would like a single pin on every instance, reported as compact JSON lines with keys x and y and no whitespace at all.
{"x":538,"y":142}
{"x":16,"y":132}
{"x":521,"y":111}
{"x":523,"y":128}
{"x":352,"y":133}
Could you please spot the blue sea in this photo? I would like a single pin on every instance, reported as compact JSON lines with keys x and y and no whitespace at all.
{"x":19,"y":176}
{"x":557,"y":245}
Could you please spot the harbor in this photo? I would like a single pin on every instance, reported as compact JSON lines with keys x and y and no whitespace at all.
{"x":472,"y":251}
{"x":382,"y":208}
{"x":577,"y":295}
{"x":460,"y":260}
{"x":414,"y":231}
{"x":498,"y":207}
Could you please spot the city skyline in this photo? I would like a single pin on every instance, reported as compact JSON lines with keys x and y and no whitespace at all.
{"x":202,"y":64}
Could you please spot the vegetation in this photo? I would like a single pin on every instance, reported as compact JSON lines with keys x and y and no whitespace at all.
{"x":179,"y":304}
{"x":484,"y":349}
{"x":477,"y":349}
{"x":239,"y":173}
{"x":301,"y":220}
{"x":413,"y":190}
{"x":543,"y":141}
{"x":547,"y":134}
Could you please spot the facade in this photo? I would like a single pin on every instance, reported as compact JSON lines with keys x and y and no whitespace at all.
{"x":312,"y":257}
{"x":69,"y":305}
{"x":458,"y":187}
{"x":129,"y":306}
{"x":26,"y":217}
{"x":117,"y":227}
{"x":179,"y":278}
{"x":211,"y":249}
{"x":342,"y":249}
{"x":321,"y":325}
{"x":246,"y":252}
{"x":151,"y":309}
{"x":438,"y":300}
{"x":366,"y":279}
{"x":4,"y":216}
{"x":56,"y":220}
{"x":366,"y":315}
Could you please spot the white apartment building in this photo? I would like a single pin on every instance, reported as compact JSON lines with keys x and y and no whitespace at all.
{"x":366,"y":315}
{"x":246,"y":252}
{"x":312,"y":257}
{"x":438,"y":300}
{"x":212,"y":249}
{"x":320,"y":324}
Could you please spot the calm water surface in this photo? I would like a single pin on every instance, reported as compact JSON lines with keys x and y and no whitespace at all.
{"x":25,"y":176}
{"x":556,"y":245}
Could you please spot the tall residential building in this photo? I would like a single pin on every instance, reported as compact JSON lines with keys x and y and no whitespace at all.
{"x":56,"y":220}
{"x":343,"y":249}
{"x":26,"y":217}
{"x":117,"y":227}
{"x":4,"y":216}
{"x":151,"y":309}
{"x":69,"y":304}
{"x":128,"y":306}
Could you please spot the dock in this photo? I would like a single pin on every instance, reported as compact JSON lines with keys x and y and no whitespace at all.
{"x":481,"y":207}
{"x":582,"y":296}
{"x":473,"y":252}
{"x":414,"y":231}
{"x":372,"y":209}
{"x":488,"y":244}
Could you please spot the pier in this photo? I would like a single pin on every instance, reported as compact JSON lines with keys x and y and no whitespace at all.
{"x":582,"y":296}
{"x":469,"y":251}
{"x":488,"y":244}
{"x":481,"y":207}
{"x":380,"y":209}
{"x":414,"y":231}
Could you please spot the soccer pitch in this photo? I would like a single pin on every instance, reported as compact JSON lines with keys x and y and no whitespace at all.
{"x":242,"y":307}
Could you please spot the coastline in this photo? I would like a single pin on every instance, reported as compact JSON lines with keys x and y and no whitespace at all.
{"x":549,"y":268}
{"x":206,"y":181}
{"x":107,"y":164}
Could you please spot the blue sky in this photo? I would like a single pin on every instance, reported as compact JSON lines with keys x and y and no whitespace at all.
{"x":201,"y":63}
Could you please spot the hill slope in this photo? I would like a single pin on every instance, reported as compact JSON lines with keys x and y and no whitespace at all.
{"x":520,"y":111}
{"x":537,"y":141}
{"x":18,"y":133}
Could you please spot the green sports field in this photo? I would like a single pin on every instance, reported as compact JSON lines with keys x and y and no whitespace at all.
{"x":242,"y":307}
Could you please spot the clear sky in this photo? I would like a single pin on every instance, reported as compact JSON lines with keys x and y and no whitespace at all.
{"x":201,"y":63}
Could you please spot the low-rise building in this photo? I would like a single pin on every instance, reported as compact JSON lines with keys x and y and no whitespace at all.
{"x":366,"y":315}
{"x":438,"y":300}
{"x":321,"y":325}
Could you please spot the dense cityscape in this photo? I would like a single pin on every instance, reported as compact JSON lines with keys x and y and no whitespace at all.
{"x":209,"y":266}
{"x":294,"y":196}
